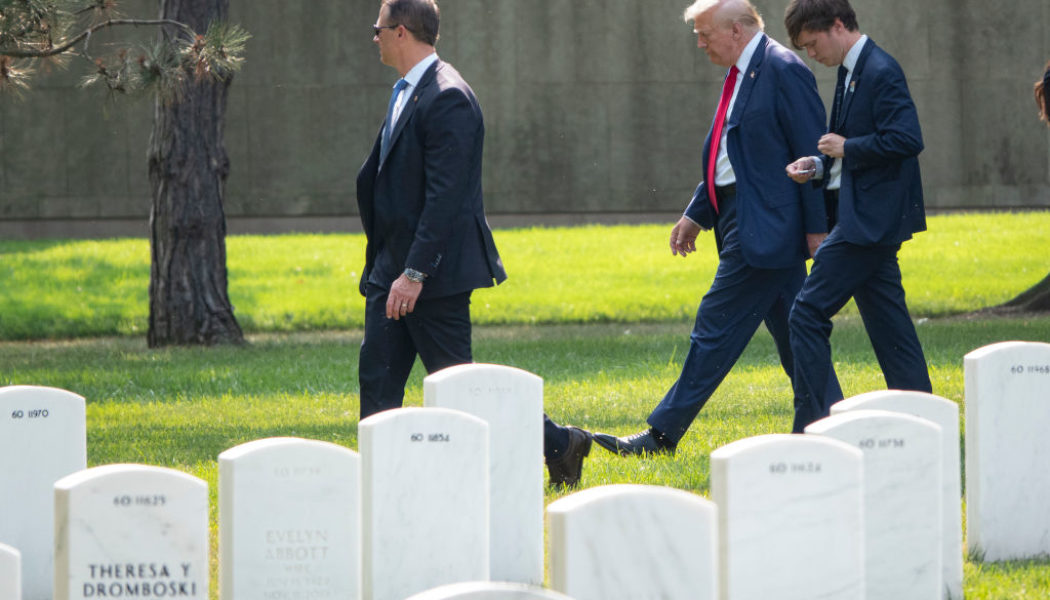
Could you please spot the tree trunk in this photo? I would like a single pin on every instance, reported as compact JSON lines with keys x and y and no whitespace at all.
{"x":188,"y":165}
{"x":1034,"y":299}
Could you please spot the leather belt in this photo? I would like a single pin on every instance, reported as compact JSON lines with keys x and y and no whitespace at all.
{"x":725,"y":190}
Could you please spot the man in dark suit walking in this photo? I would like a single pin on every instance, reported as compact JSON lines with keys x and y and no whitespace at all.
{"x":870,"y":170}
{"x":765,"y":226}
{"x":429,"y":243}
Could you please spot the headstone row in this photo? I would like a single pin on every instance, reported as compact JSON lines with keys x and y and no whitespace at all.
{"x":453,"y":492}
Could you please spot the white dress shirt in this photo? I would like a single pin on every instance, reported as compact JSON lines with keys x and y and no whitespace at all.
{"x":724,"y":174}
{"x":850,"y":62}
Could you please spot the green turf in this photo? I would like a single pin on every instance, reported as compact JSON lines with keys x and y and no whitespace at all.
{"x":65,"y":289}
{"x":601,"y":313}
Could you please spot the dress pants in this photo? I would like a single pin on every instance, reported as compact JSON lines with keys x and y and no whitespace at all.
{"x":740,"y":298}
{"x":438,"y":330}
{"x":870,"y":275}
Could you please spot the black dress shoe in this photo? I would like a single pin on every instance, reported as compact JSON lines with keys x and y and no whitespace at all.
{"x":638,"y":444}
{"x":567,"y":468}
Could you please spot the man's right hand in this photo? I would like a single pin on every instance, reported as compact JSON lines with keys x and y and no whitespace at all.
{"x":683,"y":237}
{"x":802,"y":170}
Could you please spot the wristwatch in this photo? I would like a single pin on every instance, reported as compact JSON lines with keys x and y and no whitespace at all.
{"x":414,"y":275}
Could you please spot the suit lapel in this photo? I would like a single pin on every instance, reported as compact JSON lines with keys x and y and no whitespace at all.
{"x":410,"y":107}
{"x":855,"y":81}
{"x":748,"y":84}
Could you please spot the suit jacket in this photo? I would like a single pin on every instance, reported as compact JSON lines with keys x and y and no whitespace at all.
{"x":778,"y":116}
{"x":880,"y":201}
{"x":420,"y":202}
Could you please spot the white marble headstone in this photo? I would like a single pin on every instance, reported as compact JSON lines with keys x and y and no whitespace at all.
{"x":425,"y":500}
{"x":131,"y":531}
{"x":633,"y":541}
{"x":42,"y":439}
{"x":289,"y":521}
{"x":489,"y":591}
{"x":1008,"y":450}
{"x":944,"y":413}
{"x":10,"y":573}
{"x":510,"y":400}
{"x":790,"y":518}
{"x":902,"y":500}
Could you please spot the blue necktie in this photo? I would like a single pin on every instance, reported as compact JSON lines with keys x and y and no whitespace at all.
{"x":388,"y":128}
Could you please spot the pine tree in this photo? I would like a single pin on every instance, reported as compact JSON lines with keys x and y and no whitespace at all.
{"x":188,"y":74}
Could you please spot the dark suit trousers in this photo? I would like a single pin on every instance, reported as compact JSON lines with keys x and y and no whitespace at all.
{"x":438,"y":330}
{"x":872,"y":276}
{"x":740,"y":299}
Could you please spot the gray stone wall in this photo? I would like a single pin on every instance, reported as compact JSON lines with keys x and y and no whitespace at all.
{"x":594,"y":110}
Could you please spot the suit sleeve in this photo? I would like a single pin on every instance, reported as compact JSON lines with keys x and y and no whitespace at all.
{"x":453,"y":125}
{"x":699,"y":210}
{"x":800,"y":113}
{"x":897,"y":135}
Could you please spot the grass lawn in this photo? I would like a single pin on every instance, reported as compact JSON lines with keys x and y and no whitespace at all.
{"x":608,"y":346}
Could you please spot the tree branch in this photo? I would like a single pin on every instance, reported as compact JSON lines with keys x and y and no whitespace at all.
{"x":24,"y":53}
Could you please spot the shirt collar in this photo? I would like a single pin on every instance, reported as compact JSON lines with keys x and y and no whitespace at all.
{"x":416,"y":73}
{"x":854,"y":54}
{"x":749,"y":51}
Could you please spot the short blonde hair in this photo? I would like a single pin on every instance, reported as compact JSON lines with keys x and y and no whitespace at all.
{"x":729,"y":11}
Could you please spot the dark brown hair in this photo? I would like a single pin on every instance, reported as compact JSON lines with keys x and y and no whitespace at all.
{"x":420,"y":17}
{"x":817,"y":16}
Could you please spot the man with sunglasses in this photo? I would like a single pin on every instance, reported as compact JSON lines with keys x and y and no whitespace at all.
{"x":429,"y":244}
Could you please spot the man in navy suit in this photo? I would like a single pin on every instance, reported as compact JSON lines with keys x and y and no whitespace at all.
{"x":870,"y":170}
{"x":429,"y":244}
{"x":765,"y":225}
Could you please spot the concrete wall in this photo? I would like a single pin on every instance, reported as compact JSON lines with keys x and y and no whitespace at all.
{"x":595,"y":110}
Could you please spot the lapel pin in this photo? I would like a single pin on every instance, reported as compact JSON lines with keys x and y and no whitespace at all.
{"x":852,"y":86}
{"x":752,"y":74}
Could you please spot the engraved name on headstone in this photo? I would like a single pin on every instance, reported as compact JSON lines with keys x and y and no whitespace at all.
{"x":289,"y":521}
{"x":131,"y":531}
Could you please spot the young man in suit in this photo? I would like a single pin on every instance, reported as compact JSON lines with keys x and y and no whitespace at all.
{"x":429,"y":244}
{"x":765,"y":225}
{"x":870,"y":170}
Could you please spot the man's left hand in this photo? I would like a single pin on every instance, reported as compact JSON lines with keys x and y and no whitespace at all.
{"x":402,"y":297}
{"x":833,"y":145}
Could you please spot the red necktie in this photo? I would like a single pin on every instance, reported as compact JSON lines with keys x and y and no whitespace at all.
{"x":716,"y":133}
